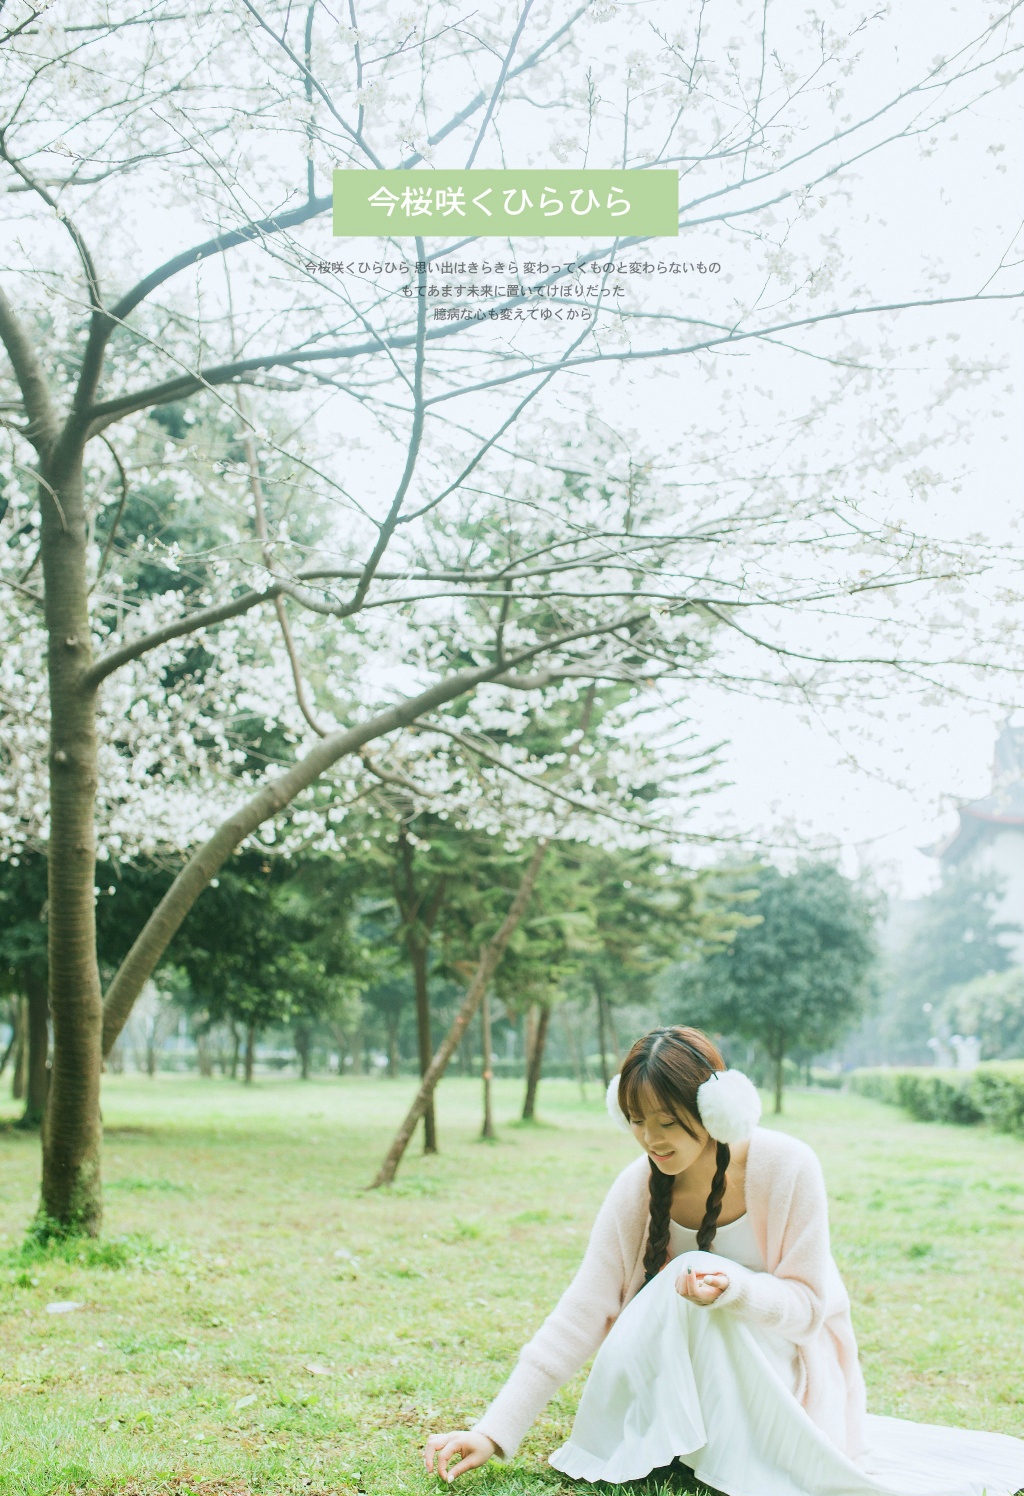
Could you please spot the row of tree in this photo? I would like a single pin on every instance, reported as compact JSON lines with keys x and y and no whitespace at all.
{"x":330,"y":947}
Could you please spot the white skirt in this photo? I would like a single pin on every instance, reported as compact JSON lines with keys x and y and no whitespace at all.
{"x":675,"y":1378}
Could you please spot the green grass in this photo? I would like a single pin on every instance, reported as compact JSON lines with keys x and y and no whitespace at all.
{"x":254,"y":1320}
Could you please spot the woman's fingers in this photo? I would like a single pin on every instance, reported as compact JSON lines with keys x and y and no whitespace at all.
{"x":435,"y":1443}
{"x":703,"y":1290}
{"x":456,"y":1452}
{"x":470,"y":1462}
{"x":451,"y":1450}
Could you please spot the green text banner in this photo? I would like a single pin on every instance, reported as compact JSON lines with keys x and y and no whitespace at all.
{"x":557,"y":204}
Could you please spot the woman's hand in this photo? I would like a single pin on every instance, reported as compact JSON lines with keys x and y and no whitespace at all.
{"x":703,"y":1288}
{"x":475,"y":1449}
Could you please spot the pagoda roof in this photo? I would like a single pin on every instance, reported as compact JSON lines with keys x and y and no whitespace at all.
{"x":1003,"y":807}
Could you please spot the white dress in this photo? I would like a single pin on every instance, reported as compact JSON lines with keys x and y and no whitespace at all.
{"x":675,"y":1378}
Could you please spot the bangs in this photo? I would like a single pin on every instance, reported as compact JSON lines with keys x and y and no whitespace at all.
{"x":637,"y":1087}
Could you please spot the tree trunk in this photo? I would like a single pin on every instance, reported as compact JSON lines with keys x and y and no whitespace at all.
{"x":779,"y":1058}
{"x":19,"y":1077}
{"x":71,"y":1192}
{"x":616,"y":1046}
{"x":391,"y":1022}
{"x":572,"y":1045}
{"x":204,"y":1059}
{"x":303,"y":1041}
{"x":38,"y":1047}
{"x":418,"y":954}
{"x":250,"y":1051}
{"x":529,"y":1034}
{"x":487,"y":1131}
{"x":536,"y":1061}
{"x":151,"y":1039}
{"x":13,"y":1019}
{"x":602,"y":1040}
{"x":481,"y":981}
{"x":236,"y":1048}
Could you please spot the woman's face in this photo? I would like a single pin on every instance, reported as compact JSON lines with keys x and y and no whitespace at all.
{"x":664,"y":1138}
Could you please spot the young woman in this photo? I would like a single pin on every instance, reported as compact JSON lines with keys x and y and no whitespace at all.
{"x":740,"y":1363}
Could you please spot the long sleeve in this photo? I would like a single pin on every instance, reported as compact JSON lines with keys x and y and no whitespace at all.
{"x":796,"y":1297}
{"x":578,"y":1324}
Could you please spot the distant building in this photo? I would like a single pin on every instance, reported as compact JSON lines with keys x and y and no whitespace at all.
{"x":990,"y":836}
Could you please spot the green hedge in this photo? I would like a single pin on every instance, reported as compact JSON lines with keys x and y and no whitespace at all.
{"x":994,"y":1093}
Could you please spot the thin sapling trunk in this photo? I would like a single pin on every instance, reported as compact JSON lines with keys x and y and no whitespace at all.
{"x":536,"y":1061}
{"x":488,"y":965}
{"x":487,"y":1131}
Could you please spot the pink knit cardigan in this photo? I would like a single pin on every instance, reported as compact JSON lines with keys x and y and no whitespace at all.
{"x":801,"y":1296}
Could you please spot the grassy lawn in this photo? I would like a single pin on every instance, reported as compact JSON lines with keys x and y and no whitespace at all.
{"x":254,"y":1320}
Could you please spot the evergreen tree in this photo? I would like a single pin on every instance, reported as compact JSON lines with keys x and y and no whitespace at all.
{"x":956,"y":938}
{"x":799,"y":977}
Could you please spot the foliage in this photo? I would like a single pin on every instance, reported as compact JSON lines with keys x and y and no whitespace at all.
{"x":992,"y":1007}
{"x":800,"y":976}
{"x":648,"y":910}
{"x":956,"y":937}
{"x":928,"y":1095}
{"x":990,"y":1093}
{"x":269,"y":944}
{"x":22,"y":919}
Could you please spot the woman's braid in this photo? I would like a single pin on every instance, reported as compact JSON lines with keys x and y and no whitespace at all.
{"x":658,"y":1234}
{"x":709,"y":1225}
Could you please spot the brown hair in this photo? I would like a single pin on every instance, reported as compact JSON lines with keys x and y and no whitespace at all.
{"x":671,"y":1063}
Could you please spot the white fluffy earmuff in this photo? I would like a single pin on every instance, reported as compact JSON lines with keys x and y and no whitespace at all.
{"x":728,"y":1103}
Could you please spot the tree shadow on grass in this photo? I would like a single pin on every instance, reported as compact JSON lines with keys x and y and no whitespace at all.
{"x":675,"y":1479}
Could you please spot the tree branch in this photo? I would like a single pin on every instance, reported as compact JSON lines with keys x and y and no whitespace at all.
{"x":492,"y":101}
{"x":291,"y":218}
{"x":136,"y":648}
{"x":312,"y":82}
{"x":42,"y":427}
{"x":189,"y":384}
{"x":142,"y":959}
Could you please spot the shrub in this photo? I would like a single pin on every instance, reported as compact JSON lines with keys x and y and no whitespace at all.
{"x":993,"y":1093}
{"x":998,"y":1089}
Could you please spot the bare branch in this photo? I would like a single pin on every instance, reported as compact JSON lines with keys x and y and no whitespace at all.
{"x":499,"y":82}
{"x":88,"y":265}
{"x":313,"y":82}
{"x":34,"y":597}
